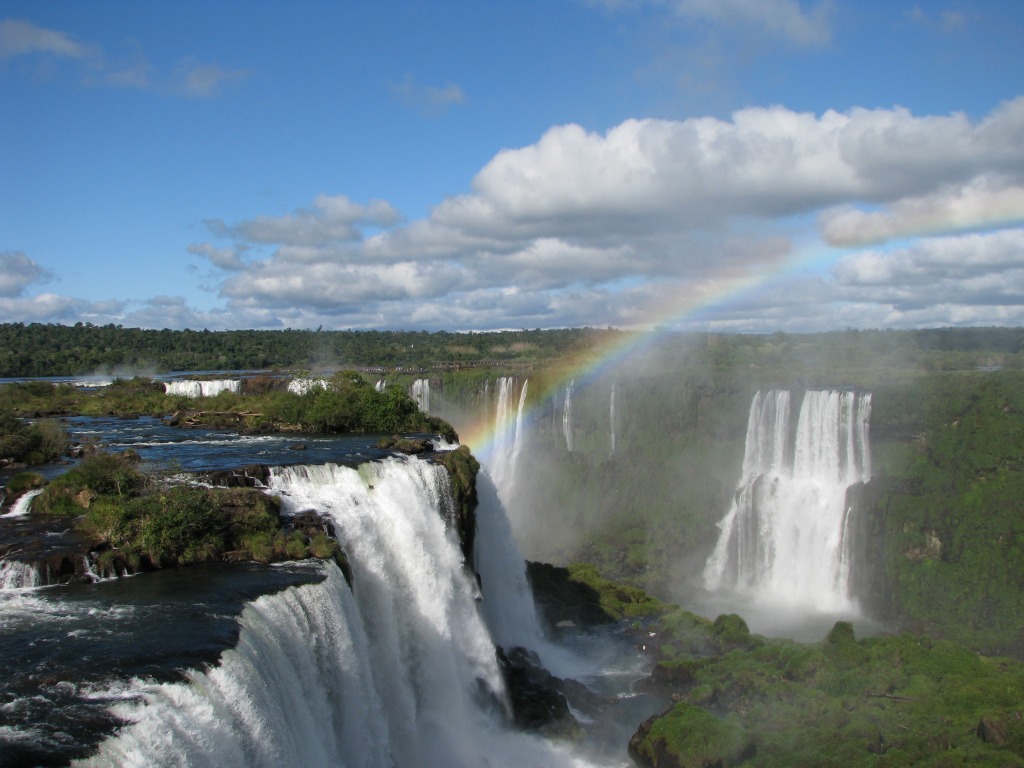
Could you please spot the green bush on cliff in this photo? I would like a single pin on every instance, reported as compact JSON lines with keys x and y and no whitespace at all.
{"x":145,"y":520}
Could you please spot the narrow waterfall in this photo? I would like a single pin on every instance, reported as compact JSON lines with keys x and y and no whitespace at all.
{"x":783,"y":539}
{"x":379,"y":386}
{"x":398,"y":671}
{"x":201,"y":388}
{"x":611,"y":420}
{"x":567,"y":426}
{"x":420,"y":392}
{"x":501,"y":455}
{"x":507,"y":605}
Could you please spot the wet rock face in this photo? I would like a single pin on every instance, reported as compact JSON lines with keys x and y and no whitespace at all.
{"x":537,"y":703}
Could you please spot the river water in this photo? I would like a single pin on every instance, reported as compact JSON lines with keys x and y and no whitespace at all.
{"x":81,"y":661}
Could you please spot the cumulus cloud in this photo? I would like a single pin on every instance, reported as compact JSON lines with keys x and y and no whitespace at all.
{"x":331,"y":219}
{"x":225,"y":258}
{"x":589,"y":228}
{"x":979,"y":201}
{"x":18,"y":271}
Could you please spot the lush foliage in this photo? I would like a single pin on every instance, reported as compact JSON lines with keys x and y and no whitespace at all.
{"x":946,"y":524}
{"x":887,"y":701}
{"x":149,"y":523}
{"x":346,"y":403}
{"x":30,"y":443}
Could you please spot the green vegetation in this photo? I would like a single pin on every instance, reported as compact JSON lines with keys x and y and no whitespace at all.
{"x":883,"y":702}
{"x":347,"y":403}
{"x":58,"y":350}
{"x":145,"y":522}
{"x":30,"y":443}
{"x":946,"y":519}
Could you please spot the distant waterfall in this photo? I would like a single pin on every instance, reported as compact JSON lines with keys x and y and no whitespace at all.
{"x":567,"y":425}
{"x":421,"y":394}
{"x":201,"y":388}
{"x":503,"y":452}
{"x":784,"y":536}
{"x":399,"y":671}
{"x":379,"y":386}
{"x":302,"y":386}
{"x":611,"y":420}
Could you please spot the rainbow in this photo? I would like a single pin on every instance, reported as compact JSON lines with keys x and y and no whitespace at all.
{"x":688,"y":302}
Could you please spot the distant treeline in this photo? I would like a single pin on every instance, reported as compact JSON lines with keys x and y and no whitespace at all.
{"x":61,"y":350}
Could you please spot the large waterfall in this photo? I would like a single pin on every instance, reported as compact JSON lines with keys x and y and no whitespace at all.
{"x":400,"y":670}
{"x":202,"y":388}
{"x":420,"y":392}
{"x":784,"y":539}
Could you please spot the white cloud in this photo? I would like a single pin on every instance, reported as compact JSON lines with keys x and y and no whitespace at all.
{"x":589,"y":228}
{"x":979,"y":201}
{"x":199,"y":80}
{"x":225,"y":258}
{"x":22,"y":38}
{"x":330,"y":220}
{"x":18,"y":271}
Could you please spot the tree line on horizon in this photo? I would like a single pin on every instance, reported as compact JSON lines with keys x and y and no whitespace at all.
{"x":37,"y":349}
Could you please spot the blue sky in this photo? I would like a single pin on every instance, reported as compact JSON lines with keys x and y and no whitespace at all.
{"x":734,"y":165}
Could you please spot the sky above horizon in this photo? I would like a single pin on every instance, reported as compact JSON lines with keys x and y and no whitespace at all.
{"x":722,"y":165}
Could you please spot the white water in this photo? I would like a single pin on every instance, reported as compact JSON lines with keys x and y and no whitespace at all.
{"x":783,"y":540}
{"x":611,"y":419}
{"x":201,"y":388}
{"x":398,"y":672}
{"x":24,"y":504}
{"x":421,"y":394}
{"x":502,"y":454}
{"x":17,"y":575}
{"x":567,"y":426}
{"x":302,"y":386}
{"x":379,"y":386}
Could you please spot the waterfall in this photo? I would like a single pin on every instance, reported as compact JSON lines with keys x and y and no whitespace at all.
{"x":508,"y":433}
{"x":379,"y":386}
{"x":421,"y":394}
{"x":567,"y":415}
{"x":783,"y":539}
{"x":397,"y":672}
{"x":611,"y":420}
{"x":302,"y":386}
{"x":24,"y":504}
{"x":201,"y":388}
{"x":17,"y":575}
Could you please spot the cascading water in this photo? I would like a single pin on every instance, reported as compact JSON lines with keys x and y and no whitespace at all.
{"x":399,"y":670}
{"x":567,"y":425}
{"x":302,"y":386}
{"x":611,"y":420}
{"x":420,"y":392}
{"x":201,"y":388}
{"x":783,"y":540}
{"x":501,"y":455}
{"x":24,"y":504}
